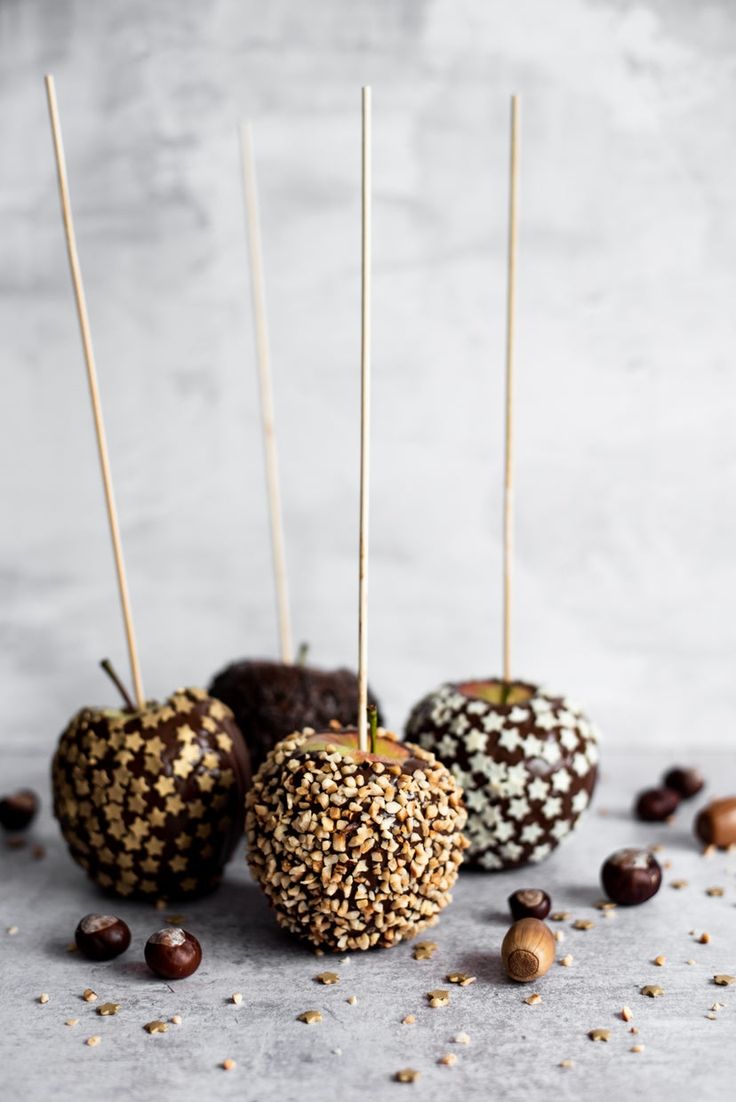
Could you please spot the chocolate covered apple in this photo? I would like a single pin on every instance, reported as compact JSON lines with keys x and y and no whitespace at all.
{"x":354,"y":848}
{"x":526,"y":759}
{"x":150,"y":801}
{"x":271,"y":700}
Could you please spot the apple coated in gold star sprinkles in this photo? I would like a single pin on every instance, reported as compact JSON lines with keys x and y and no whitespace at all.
{"x":151,"y":802}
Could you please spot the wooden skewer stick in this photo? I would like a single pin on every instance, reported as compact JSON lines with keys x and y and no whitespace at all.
{"x":508,"y":483}
{"x":89,"y":359}
{"x":365,"y":410}
{"x":263,"y":357}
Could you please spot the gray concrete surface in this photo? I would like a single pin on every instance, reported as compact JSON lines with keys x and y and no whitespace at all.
{"x":515,"y":1049}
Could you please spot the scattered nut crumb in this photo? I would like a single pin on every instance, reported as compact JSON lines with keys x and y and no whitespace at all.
{"x":337,"y":1052}
{"x":633,"y":1029}
{"x":567,"y":1063}
{"x":12,"y":931}
{"x":319,"y":952}
{"x":462,"y":979}
{"x":327,"y":978}
{"x":627,"y":1013}
{"x":651,"y":990}
{"x":559,"y":935}
{"x":667,"y":865}
{"x":408,"y":1020}
{"x":448,"y":1060}
{"x":236,"y":998}
{"x":605,"y":905}
{"x":711,"y":1016}
{"x":583,"y":924}
{"x":718,"y":1006}
{"x":709,"y":851}
{"x":108,"y":1009}
{"x":228,"y":1065}
{"x":715,"y":891}
{"x":723,"y":980}
{"x":424,"y":950}
{"x":310,"y":1017}
{"x":678,"y":885}
{"x":660,"y":961}
{"x":407,"y":1075}
{"x":560,"y":916}
{"x":175,"y":1019}
{"x":533,"y":1000}
{"x":344,"y":960}
{"x":599,"y":1034}
{"x":72,"y":947}
{"x":43,"y":998}
{"x":156,"y":1027}
{"x":637,"y":1048}
{"x":92,"y":1041}
{"x":705,"y":938}
{"x":438,"y":997}
{"x":89,"y":995}
{"x":566,"y":961}
{"x":71,"y":1021}
{"x":352,"y":1000}
{"x":461,"y":1039}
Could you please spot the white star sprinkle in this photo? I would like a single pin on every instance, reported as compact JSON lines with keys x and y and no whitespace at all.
{"x":580,"y":801}
{"x":552,"y":807}
{"x":532,"y":746}
{"x":531,"y":833}
{"x":518,"y":808}
{"x":561,"y":781}
{"x":492,"y":722}
{"x":569,"y":738}
{"x":509,"y":739}
{"x":475,"y":741}
{"x":580,"y":764}
{"x":560,"y":829}
{"x":516,"y":778}
{"x":538,"y":789}
{"x":518,"y":715}
{"x":460,"y":725}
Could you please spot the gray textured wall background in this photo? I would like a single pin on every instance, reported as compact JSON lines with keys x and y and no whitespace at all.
{"x":626,"y":389}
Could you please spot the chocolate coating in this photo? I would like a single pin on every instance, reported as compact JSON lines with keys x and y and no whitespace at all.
{"x":102,"y":937}
{"x":529,"y":903}
{"x":354,"y":850}
{"x":716,"y":823}
{"x":685,"y":782}
{"x":631,"y":876}
{"x":18,"y":810}
{"x":271,"y":700}
{"x":654,"y":805}
{"x":151,"y":804}
{"x":173,"y":953}
{"x":528,"y":769}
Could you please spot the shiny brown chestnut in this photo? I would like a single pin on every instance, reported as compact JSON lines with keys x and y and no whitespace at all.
{"x":529,"y":903}
{"x":173,"y":953}
{"x":654,"y":805}
{"x":631,"y":876}
{"x":18,"y":810}
{"x":102,"y":937}
{"x":685,"y":782}
{"x":715,"y":825}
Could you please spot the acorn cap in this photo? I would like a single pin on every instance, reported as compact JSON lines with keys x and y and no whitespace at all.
{"x":353,"y":852}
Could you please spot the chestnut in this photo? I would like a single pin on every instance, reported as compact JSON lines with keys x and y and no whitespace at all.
{"x":685,"y":782}
{"x":173,"y":953}
{"x":102,"y":937}
{"x":654,"y":805}
{"x":716,"y":823}
{"x":631,"y":876}
{"x":528,"y":950}
{"x":529,"y":903}
{"x":18,"y":810}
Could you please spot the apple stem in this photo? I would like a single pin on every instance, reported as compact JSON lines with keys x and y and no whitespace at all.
{"x":373,"y":724}
{"x":301,"y":654}
{"x":506,"y":687}
{"x":109,"y":670}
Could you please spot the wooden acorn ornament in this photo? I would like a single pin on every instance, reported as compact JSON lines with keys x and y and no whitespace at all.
{"x":526,"y":757}
{"x":149,"y":797}
{"x":528,"y":950}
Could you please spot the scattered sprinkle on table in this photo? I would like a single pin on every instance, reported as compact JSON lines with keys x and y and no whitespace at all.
{"x":327,"y":978}
{"x":156,"y":1027}
{"x":652,"y":991}
{"x":533,"y":1000}
{"x":627,"y":1013}
{"x":448,"y":1060}
{"x":637,"y":1048}
{"x":461,"y":1038}
{"x":567,"y":1063}
{"x":228,"y":1065}
{"x":407,"y":1075}
{"x":717,"y":891}
{"x":236,"y":998}
{"x":92,"y":1041}
{"x":424,"y":950}
{"x":567,"y":960}
{"x":309,"y":1017}
{"x":705,"y":939}
{"x":678,"y":885}
{"x":175,"y":1019}
{"x":106,"y":1010}
{"x":723,"y":980}
{"x":352,"y":1000}
{"x":583,"y":924}
{"x":71,"y":1021}
{"x":660,"y":961}
{"x":560,"y":916}
{"x":43,"y":998}
{"x":13,"y":930}
{"x":438,"y":997}
{"x":599,"y":1034}
{"x":408,"y":1020}
{"x":462,"y":979}
{"x":89,"y":995}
